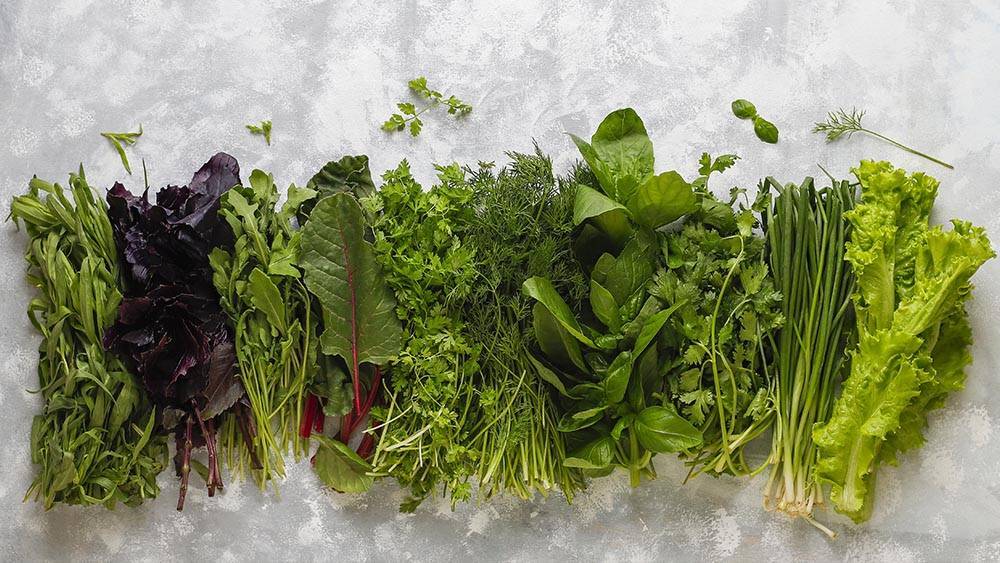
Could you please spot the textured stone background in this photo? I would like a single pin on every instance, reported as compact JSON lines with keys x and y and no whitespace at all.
{"x":193,"y":73}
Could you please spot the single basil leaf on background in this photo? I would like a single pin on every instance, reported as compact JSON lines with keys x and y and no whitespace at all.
{"x":541,"y":289}
{"x":624,"y":148}
{"x":342,"y":272}
{"x":660,"y":429}
{"x":616,"y":381}
{"x":743,"y":109}
{"x":604,"y":306}
{"x":597,"y":454}
{"x":340,"y":468}
{"x":266,"y":298}
{"x":556,"y":342}
{"x":661,"y":200}
{"x":765,"y":130}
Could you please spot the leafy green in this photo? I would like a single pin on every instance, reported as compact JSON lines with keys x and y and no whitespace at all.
{"x":606,"y":391}
{"x":342,"y":271}
{"x":912,"y":284}
{"x":263,"y":129}
{"x":523,"y":226}
{"x":340,"y":468}
{"x":94,"y":440}
{"x":620,"y":155}
{"x":744,"y":109}
{"x":261,"y":290}
{"x":431,"y":400}
{"x":121,"y":140}
{"x":840,"y":123}
{"x":409,"y":115}
{"x":713,"y":271}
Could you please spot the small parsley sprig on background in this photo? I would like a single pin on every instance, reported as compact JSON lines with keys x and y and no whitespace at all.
{"x":122,"y":140}
{"x":263,"y":129}
{"x":409,"y":115}
{"x":839,"y":123}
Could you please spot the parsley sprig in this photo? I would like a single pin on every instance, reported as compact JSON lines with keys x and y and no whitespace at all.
{"x":263,"y":129}
{"x":840,"y":123}
{"x":409,"y":115}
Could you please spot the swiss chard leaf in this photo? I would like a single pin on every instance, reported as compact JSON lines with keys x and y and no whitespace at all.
{"x":341,"y":270}
{"x":340,"y":468}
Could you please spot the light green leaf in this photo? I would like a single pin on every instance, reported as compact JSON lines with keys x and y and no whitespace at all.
{"x":662,"y":200}
{"x":606,"y":214}
{"x":266,"y":298}
{"x":624,"y":149}
{"x":593,"y":455}
{"x":340,"y":468}
{"x":604,"y":306}
{"x":616,"y":381}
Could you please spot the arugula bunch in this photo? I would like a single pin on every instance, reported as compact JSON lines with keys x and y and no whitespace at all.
{"x":95,"y":439}
{"x":424,"y":428}
{"x":913,"y":329}
{"x":260,"y":288}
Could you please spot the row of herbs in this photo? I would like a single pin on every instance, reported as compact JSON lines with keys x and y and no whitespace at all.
{"x":506,"y":330}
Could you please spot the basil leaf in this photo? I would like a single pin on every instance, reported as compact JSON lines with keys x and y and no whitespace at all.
{"x":660,"y":429}
{"x":662,"y":200}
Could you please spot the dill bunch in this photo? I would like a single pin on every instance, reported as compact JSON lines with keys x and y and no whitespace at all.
{"x":522,"y":227}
